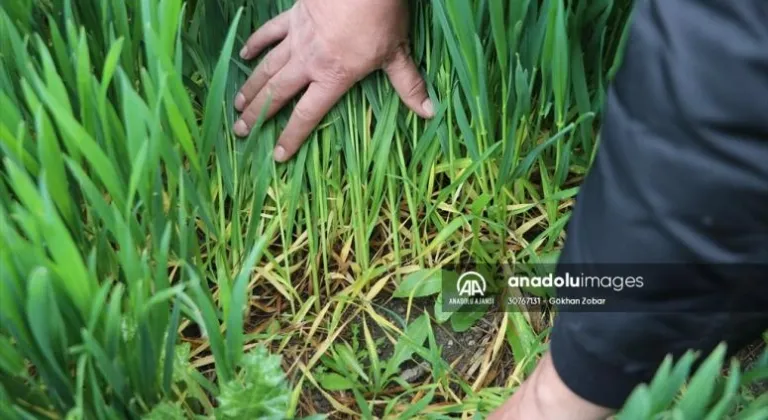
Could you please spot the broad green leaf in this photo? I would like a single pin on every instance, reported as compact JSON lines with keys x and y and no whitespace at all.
{"x":335,"y":382}
{"x":424,"y":282}
{"x":413,"y":338}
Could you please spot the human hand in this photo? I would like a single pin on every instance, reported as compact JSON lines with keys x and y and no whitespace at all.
{"x":326,"y":46}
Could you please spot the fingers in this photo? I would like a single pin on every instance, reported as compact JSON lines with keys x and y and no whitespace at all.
{"x":276,"y":93}
{"x":269,"y":33}
{"x":268,"y":68}
{"x":409,"y":84}
{"x":313,"y":106}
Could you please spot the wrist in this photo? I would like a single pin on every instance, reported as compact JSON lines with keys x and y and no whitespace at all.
{"x":554,"y":399}
{"x":545,"y":396}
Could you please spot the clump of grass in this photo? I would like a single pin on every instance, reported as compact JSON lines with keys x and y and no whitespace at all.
{"x":151,"y":263}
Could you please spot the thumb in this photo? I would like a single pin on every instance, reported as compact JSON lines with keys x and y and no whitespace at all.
{"x":409,"y":84}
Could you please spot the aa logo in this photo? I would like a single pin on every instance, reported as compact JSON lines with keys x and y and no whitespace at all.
{"x":471,"y":284}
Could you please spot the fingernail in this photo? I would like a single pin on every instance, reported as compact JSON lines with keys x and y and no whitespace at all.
{"x":428,"y":107}
{"x":279,"y":153}
{"x":241,"y":128}
{"x":239,"y":101}
{"x":244,"y":52}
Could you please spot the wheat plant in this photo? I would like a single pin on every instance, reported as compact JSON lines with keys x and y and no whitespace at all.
{"x":155,"y":266}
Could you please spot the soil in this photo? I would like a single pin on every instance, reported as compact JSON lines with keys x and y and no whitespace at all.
{"x":462,"y":351}
{"x":749,"y":356}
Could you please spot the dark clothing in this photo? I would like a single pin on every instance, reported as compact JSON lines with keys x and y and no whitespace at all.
{"x":681,"y":176}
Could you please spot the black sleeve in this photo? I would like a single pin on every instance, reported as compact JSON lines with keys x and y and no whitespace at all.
{"x":679,"y":192}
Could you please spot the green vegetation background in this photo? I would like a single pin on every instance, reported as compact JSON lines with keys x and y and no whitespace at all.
{"x":154,"y":266}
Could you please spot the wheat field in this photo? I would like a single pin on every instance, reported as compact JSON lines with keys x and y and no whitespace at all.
{"x":155,"y":266}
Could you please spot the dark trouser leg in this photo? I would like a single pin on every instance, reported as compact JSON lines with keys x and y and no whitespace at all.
{"x":681,"y":176}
